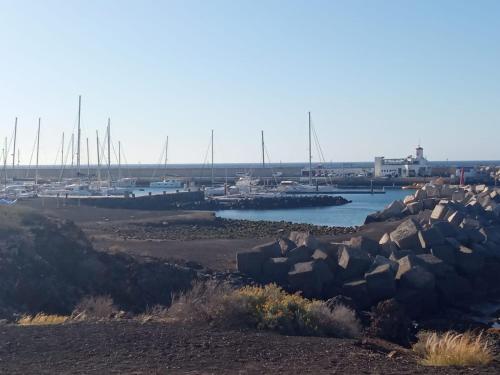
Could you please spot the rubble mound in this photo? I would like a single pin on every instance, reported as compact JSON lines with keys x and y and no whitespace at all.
{"x":49,"y":265}
{"x":446,"y":249}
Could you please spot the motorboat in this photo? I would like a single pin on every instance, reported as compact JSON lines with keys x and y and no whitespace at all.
{"x":72,"y":190}
{"x":166,"y":184}
{"x":215,"y":191}
{"x":293,"y":187}
{"x":127,"y":182}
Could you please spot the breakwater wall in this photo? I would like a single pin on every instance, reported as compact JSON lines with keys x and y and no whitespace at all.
{"x":188,"y":201}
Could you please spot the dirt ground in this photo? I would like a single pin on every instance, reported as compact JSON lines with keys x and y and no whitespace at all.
{"x":155,"y":348}
{"x":196,"y":236}
{"x":128,"y":347}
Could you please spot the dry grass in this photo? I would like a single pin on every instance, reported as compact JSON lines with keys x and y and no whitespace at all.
{"x":157,"y":313}
{"x":41,"y":319}
{"x":203,"y":302}
{"x":268,"y":308}
{"x":95,"y":308}
{"x":453,"y":349}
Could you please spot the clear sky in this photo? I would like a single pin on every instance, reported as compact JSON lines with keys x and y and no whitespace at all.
{"x":378,"y":77}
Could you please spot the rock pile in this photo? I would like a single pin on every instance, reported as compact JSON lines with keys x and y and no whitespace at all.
{"x":430,"y":195}
{"x":446,"y":248}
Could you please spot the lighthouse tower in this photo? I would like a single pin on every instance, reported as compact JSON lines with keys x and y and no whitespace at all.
{"x":420,"y":153}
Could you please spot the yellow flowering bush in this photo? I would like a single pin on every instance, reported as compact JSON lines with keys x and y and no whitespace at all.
{"x":268,"y":307}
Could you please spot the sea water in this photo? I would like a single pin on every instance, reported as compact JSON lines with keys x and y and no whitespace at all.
{"x":350,"y":214}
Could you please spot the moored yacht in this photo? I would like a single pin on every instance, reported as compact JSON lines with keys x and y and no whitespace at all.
{"x":168,"y":184}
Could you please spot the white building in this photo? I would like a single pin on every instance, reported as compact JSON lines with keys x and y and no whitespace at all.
{"x":411,"y":166}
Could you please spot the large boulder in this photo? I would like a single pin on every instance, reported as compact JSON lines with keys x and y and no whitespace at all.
{"x":430,"y":237}
{"x":364,"y":244}
{"x":458,"y":196}
{"x":417,"y":302}
{"x":380,"y":260}
{"x":310,"y":277}
{"x":433,"y":264}
{"x":286,"y":245}
{"x":300,"y":254}
{"x":358,"y":291}
{"x":412,"y":275}
{"x":429,"y":203}
{"x":304,"y":239}
{"x":432,"y":191}
{"x":456,"y":218}
{"x":380,"y":283}
{"x":250,"y":262}
{"x":406,"y":235}
{"x":445,"y":228}
{"x":439,"y":212}
{"x":387,"y":246}
{"x":390,"y":322}
{"x":453,"y":288}
{"x":394,"y":209}
{"x":327,"y":255}
{"x":468,"y":261}
{"x":420,"y":195}
{"x":445,"y":252}
{"x":415,"y":207}
{"x":276,"y":270}
{"x":353,"y":262}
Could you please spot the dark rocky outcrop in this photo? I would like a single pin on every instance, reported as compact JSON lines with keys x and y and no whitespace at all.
{"x":48,"y":265}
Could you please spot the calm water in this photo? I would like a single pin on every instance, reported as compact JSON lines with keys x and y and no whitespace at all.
{"x":347,"y":215}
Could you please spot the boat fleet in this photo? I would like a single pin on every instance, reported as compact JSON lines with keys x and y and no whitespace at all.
{"x":87,"y":185}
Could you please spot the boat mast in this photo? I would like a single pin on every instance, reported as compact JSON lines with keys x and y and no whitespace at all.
{"x":310,"y":154}
{"x":263,"y":158}
{"x":62,"y":158}
{"x":98,"y":158}
{"x":37,"y":151}
{"x":78,"y":150}
{"x":14,"y":150}
{"x":119,"y":159}
{"x":62,"y":150}
{"x":88,"y":160}
{"x":72,"y":151}
{"x":166,"y":157}
{"x":212,"y":142}
{"x":109,"y":151}
{"x":4,"y":154}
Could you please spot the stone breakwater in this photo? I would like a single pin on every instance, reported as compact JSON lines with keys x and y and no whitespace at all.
{"x":444,"y":250}
{"x":279,"y":202}
{"x":196,"y":200}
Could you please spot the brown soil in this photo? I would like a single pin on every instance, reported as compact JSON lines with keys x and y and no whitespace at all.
{"x":152,"y":348}
{"x":181,"y":236}
{"x":178,"y":236}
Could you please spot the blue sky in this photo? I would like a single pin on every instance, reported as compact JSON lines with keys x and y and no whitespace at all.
{"x":378,"y":76}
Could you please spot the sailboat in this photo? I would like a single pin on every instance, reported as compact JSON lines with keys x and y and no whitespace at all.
{"x":121,"y":186}
{"x":213,"y":190}
{"x":293,"y":187}
{"x":166,"y":183}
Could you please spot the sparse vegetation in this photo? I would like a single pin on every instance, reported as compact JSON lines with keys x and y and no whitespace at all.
{"x":453,"y":349}
{"x":95,"y":308}
{"x":42,"y":319}
{"x":266,"y":307}
{"x":157,"y":313}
